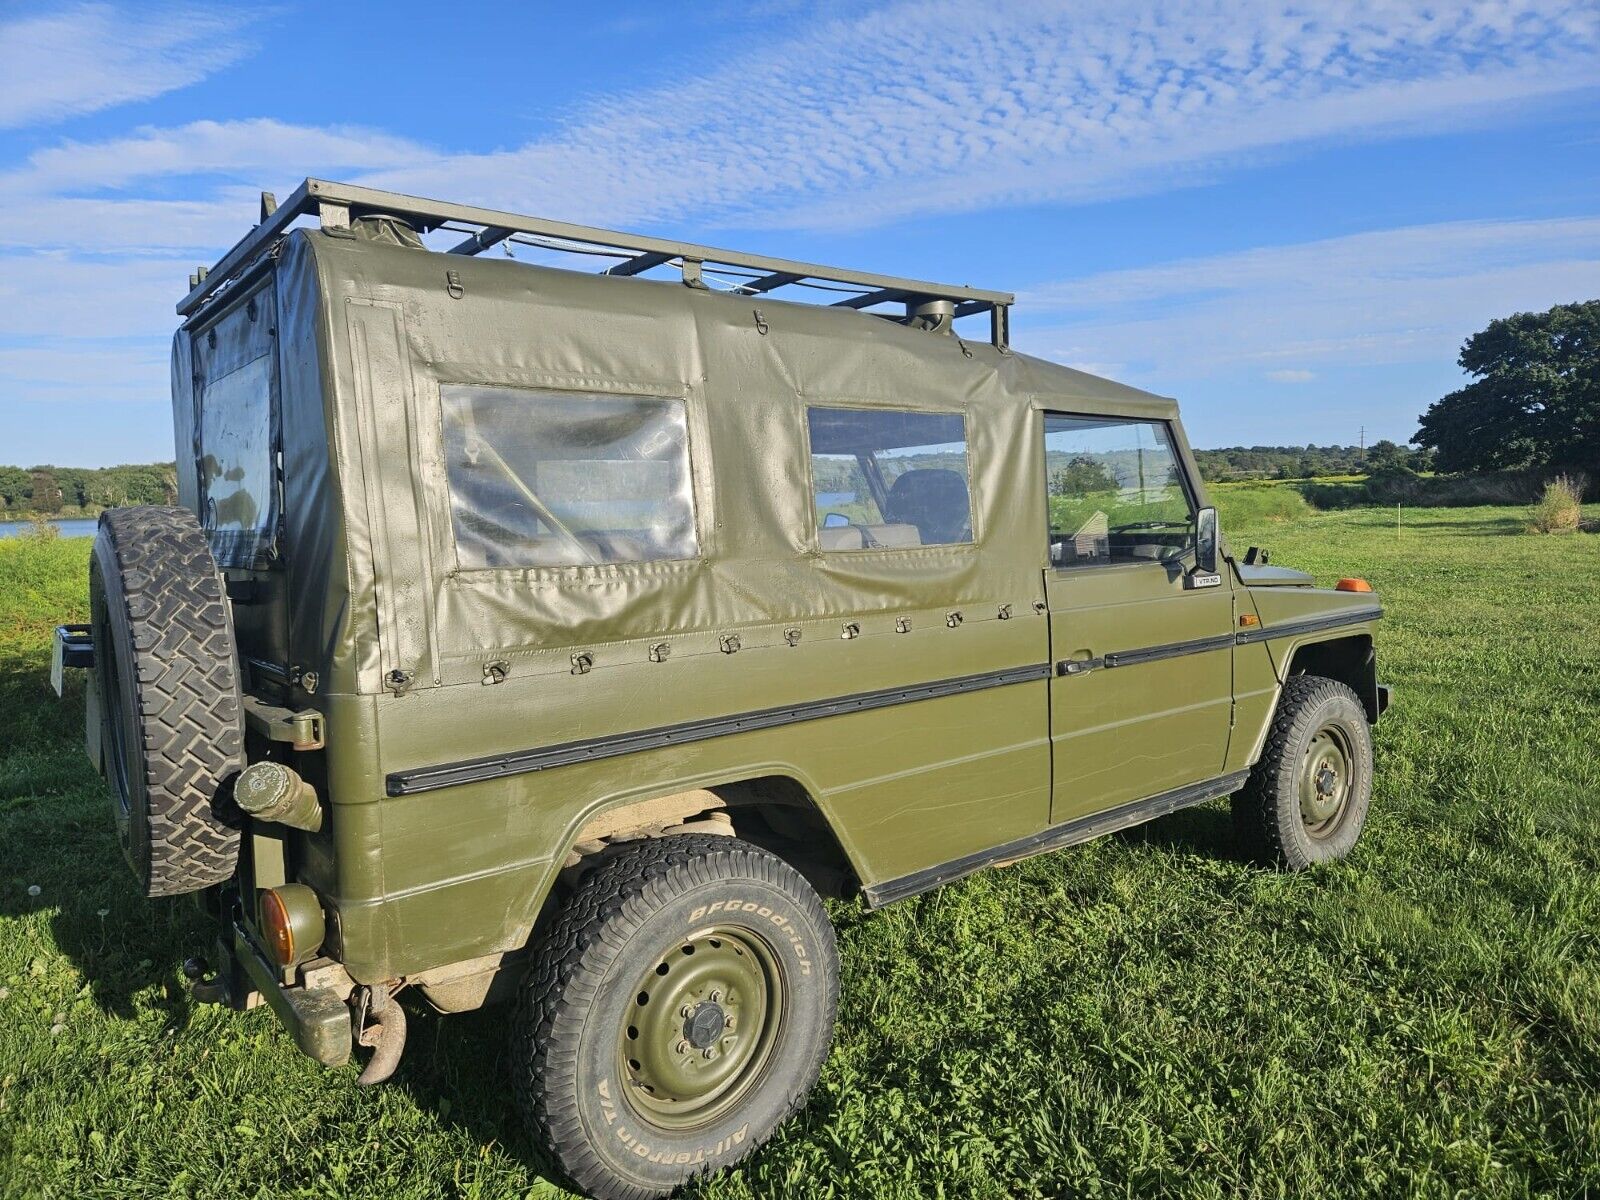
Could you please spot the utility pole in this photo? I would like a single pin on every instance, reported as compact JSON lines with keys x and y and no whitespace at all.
{"x":1363,"y":438}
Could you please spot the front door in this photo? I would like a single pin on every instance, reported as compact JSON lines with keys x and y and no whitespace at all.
{"x":1142,"y":692}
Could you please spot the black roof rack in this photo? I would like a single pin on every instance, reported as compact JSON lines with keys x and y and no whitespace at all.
{"x":335,"y":205}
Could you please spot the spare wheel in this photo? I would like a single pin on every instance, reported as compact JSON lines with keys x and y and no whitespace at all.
{"x":167,"y":677}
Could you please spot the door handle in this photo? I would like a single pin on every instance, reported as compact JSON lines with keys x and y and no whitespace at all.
{"x":1079,"y":666}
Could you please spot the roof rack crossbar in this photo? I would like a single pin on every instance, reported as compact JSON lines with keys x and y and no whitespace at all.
{"x":336,"y":204}
{"x":641,"y":262}
{"x":489,"y":235}
{"x":777,"y":279}
{"x":880,"y":296}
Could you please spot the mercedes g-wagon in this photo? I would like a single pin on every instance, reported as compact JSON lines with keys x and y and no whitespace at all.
{"x":540,"y":634}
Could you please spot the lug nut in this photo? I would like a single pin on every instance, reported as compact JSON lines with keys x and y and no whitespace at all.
{"x":708,"y":1052}
{"x":686,"y":1011}
{"x":683,"y":1047}
{"x":716,"y":995}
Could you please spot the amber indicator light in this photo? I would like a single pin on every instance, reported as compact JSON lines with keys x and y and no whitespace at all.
{"x":1352,"y":585}
{"x":1248,"y":620}
{"x":275,"y":923}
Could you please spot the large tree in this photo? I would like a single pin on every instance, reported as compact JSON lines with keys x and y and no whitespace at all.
{"x":1535,"y":401}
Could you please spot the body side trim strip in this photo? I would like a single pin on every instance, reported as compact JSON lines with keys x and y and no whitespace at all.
{"x":1056,"y":837}
{"x":1129,"y":658}
{"x":1266,"y":633}
{"x":1144,"y":654}
{"x":424,"y":779}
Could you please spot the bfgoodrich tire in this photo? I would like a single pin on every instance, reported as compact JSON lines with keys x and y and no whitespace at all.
{"x":167,"y":686}
{"x":678,"y":1011}
{"x":1306,"y":799}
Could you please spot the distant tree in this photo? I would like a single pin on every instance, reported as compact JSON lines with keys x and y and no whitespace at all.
{"x":1535,"y":401}
{"x":45,"y":493}
{"x":1082,"y":476}
{"x":1384,"y":453}
{"x":16,"y":486}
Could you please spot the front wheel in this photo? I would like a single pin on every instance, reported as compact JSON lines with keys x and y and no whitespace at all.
{"x":1306,"y":799}
{"x":678,"y":1011}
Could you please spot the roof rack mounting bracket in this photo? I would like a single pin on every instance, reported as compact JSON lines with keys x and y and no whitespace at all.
{"x":333,"y":215}
{"x":692,"y":276}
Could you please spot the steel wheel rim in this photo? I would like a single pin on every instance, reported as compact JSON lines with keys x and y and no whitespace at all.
{"x":700,"y":1027}
{"x":1327,"y":779}
{"x":113,"y":714}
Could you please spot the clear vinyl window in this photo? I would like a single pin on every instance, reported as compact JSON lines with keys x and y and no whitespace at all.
{"x":238,"y":488}
{"x":565,"y":479}
{"x":886,"y":479}
{"x":1116,"y":492}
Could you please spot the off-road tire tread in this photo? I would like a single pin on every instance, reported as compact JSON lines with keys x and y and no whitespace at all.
{"x":609,"y":903}
{"x":189,"y":710}
{"x":1258,"y":809}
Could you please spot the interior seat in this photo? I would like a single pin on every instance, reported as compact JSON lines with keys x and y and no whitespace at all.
{"x":935,"y":500}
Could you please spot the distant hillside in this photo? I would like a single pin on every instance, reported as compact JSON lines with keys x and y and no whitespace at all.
{"x":1303,"y":462}
{"x":48,"y":491}
{"x":70,"y":491}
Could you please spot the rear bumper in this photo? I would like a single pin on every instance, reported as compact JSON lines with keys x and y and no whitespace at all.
{"x":317,"y":1017}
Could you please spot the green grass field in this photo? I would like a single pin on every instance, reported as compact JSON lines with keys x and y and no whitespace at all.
{"x":1144,"y":1015}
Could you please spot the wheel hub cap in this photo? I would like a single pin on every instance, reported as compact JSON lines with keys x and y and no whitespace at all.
{"x":704,"y":1025}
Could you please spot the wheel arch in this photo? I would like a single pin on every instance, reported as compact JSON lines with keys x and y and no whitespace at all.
{"x":1351,"y":660}
{"x":774,"y":806}
{"x":771,"y":805}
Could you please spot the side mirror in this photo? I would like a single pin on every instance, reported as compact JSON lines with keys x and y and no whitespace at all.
{"x":1205,"y":550}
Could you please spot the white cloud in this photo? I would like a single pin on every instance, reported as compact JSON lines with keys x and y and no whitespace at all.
{"x":70,"y":369}
{"x":932,"y":106}
{"x":55,"y":294}
{"x":938,"y":107}
{"x":1391,"y":296}
{"x":929,"y":106}
{"x":93,"y":56}
{"x":257,"y":147}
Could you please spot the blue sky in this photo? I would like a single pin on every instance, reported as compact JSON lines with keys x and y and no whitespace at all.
{"x":1287,"y":217}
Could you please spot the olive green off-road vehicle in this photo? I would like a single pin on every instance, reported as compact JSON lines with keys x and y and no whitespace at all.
{"x":558,"y":636}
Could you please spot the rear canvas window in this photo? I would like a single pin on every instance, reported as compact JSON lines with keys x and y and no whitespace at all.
{"x":887,"y":479}
{"x":239,"y":499}
{"x":566,"y":479}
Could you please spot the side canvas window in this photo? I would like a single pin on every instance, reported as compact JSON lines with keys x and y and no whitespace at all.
{"x":563,"y":479}
{"x":885,"y":478}
{"x":1116,"y":492}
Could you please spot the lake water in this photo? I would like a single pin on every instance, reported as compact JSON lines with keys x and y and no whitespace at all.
{"x":73,"y":527}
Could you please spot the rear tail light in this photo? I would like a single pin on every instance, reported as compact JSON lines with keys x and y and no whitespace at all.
{"x":292,"y":923}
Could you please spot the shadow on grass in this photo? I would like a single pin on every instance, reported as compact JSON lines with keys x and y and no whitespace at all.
{"x":1487,"y":527}
{"x":59,"y":855}
{"x":1206,"y":829}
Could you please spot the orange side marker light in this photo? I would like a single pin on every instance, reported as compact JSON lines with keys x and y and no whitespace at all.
{"x":1248,"y":620}
{"x":1352,"y":585}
